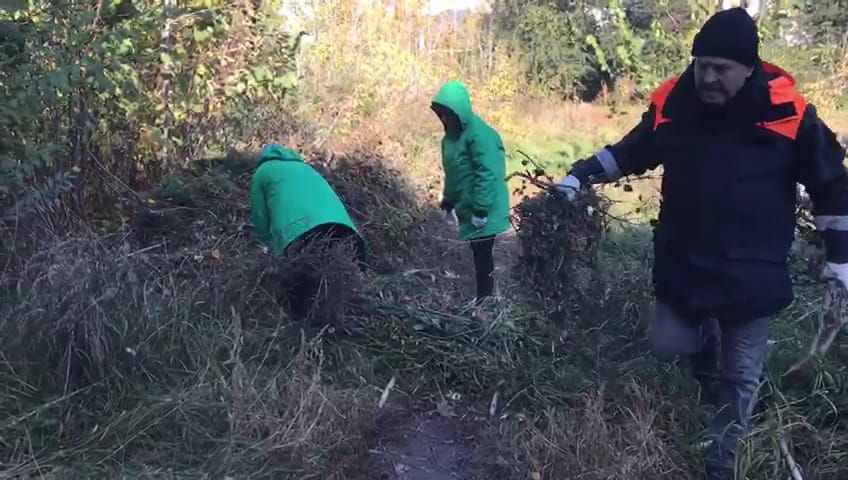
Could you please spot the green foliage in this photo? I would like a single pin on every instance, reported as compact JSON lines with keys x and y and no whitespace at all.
{"x":585,"y":48}
{"x":825,"y":22}
{"x":550,"y":43}
{"x":131,"y":87}
{"x":811,"y":42}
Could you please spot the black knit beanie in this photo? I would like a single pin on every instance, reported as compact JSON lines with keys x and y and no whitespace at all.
{"x":730,"y":34}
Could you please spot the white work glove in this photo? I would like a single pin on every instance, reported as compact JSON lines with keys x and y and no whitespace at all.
{"x":479,"y":222}
{"x":570,"y":186}
{"x":836,"y":271}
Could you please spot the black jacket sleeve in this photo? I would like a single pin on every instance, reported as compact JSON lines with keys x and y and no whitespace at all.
{"x":634,"y":154}
{"x":823,"y":174}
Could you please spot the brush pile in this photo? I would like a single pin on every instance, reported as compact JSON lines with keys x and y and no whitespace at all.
{"x":382,"y":203}
{"x":213,"y":198}
{"x":201,"y":216}
{"x":559,"y":240}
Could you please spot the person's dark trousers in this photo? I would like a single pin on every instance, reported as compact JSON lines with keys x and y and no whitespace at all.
{"x":305,"y":277}
{"x":484,"y":265}
{"x":705,"y":365}
{"x":742,"y":349}
{"x":304,"y":284}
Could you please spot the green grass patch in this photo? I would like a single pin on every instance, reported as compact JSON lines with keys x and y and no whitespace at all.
{"x":555,"y":153}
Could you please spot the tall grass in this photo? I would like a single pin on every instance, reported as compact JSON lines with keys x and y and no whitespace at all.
{"x":139,"y":361}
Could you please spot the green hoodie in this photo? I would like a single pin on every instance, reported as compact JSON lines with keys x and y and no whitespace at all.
{"x":288,"y":198}
{"x":475,"y":168}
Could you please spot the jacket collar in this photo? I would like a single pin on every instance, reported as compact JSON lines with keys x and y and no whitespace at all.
{"x":754,"y":103}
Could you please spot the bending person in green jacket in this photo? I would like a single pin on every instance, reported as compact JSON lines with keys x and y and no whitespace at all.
{"x":292,"y":206}
{"x":475,"y":178}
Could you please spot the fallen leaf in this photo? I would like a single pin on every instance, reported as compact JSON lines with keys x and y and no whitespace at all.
{"x":76,"y":169}
{"x":217,"y":255}
{"x":535,"y":476}
{"x":151,"y":201}
{"x":481,"y":316}
{"x":444,"y":409}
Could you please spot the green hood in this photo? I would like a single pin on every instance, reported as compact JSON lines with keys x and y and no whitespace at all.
{"x":454,"y":96}
{"x":474,"y":166}
{"x":276,"y":152}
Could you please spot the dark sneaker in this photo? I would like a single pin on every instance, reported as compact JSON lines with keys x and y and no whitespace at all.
{"x":719,"y":472}
{"x":719,"y":463}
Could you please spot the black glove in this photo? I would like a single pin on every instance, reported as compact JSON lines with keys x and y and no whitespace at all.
{"x":587,"y":169}
{"x":446,"y":205}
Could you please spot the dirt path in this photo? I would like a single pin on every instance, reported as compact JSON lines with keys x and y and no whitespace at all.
{"x":457,"y":254}
{"x":424,"y":447}
{"x":420,"y":446}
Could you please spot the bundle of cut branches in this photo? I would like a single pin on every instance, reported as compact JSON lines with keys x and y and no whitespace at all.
{"x":559,"y":239}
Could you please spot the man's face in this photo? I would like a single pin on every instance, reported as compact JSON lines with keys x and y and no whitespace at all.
{"x":719,"y":79}
{"x":449,"y":119}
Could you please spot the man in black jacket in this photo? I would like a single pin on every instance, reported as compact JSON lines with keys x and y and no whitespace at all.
{"x":734,"y":138}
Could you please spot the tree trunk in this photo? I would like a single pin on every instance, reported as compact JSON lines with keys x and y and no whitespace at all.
{"x":167,"y":43}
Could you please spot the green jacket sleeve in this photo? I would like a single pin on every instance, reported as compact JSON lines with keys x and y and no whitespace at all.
{"x":259,"y":208}
{"x":450,"y":191}
{"x":486,"y":153}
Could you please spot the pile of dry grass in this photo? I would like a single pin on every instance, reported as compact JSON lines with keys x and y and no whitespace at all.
{"x":204,"y":213}
{"x":212,"y":199}
{"x":386,"y":207}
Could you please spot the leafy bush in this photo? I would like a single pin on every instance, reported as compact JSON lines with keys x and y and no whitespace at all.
{"x":115,"y":97}
{"x":583,"y":49}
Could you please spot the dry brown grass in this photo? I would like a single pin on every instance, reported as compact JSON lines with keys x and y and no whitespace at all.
{"x":114,"y":354}
{"x":600,"y":437}
{"x":167,"y":351}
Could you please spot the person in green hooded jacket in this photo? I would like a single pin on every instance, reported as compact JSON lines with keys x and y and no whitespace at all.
{"x":475,"y":178}
{"x":291,"y":206}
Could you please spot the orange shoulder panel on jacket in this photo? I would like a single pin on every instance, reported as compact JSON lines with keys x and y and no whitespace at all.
{"x":781,"y":91}
{"x":658,"y":98}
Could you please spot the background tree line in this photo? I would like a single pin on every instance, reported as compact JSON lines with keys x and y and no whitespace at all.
{"x":101,"y":97}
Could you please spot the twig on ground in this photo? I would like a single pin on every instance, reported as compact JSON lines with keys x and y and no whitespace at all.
{"x":493,"y":405}
{"x":832,"y":318}
{"x":386,"y":391}
{"x":784,"y":449}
